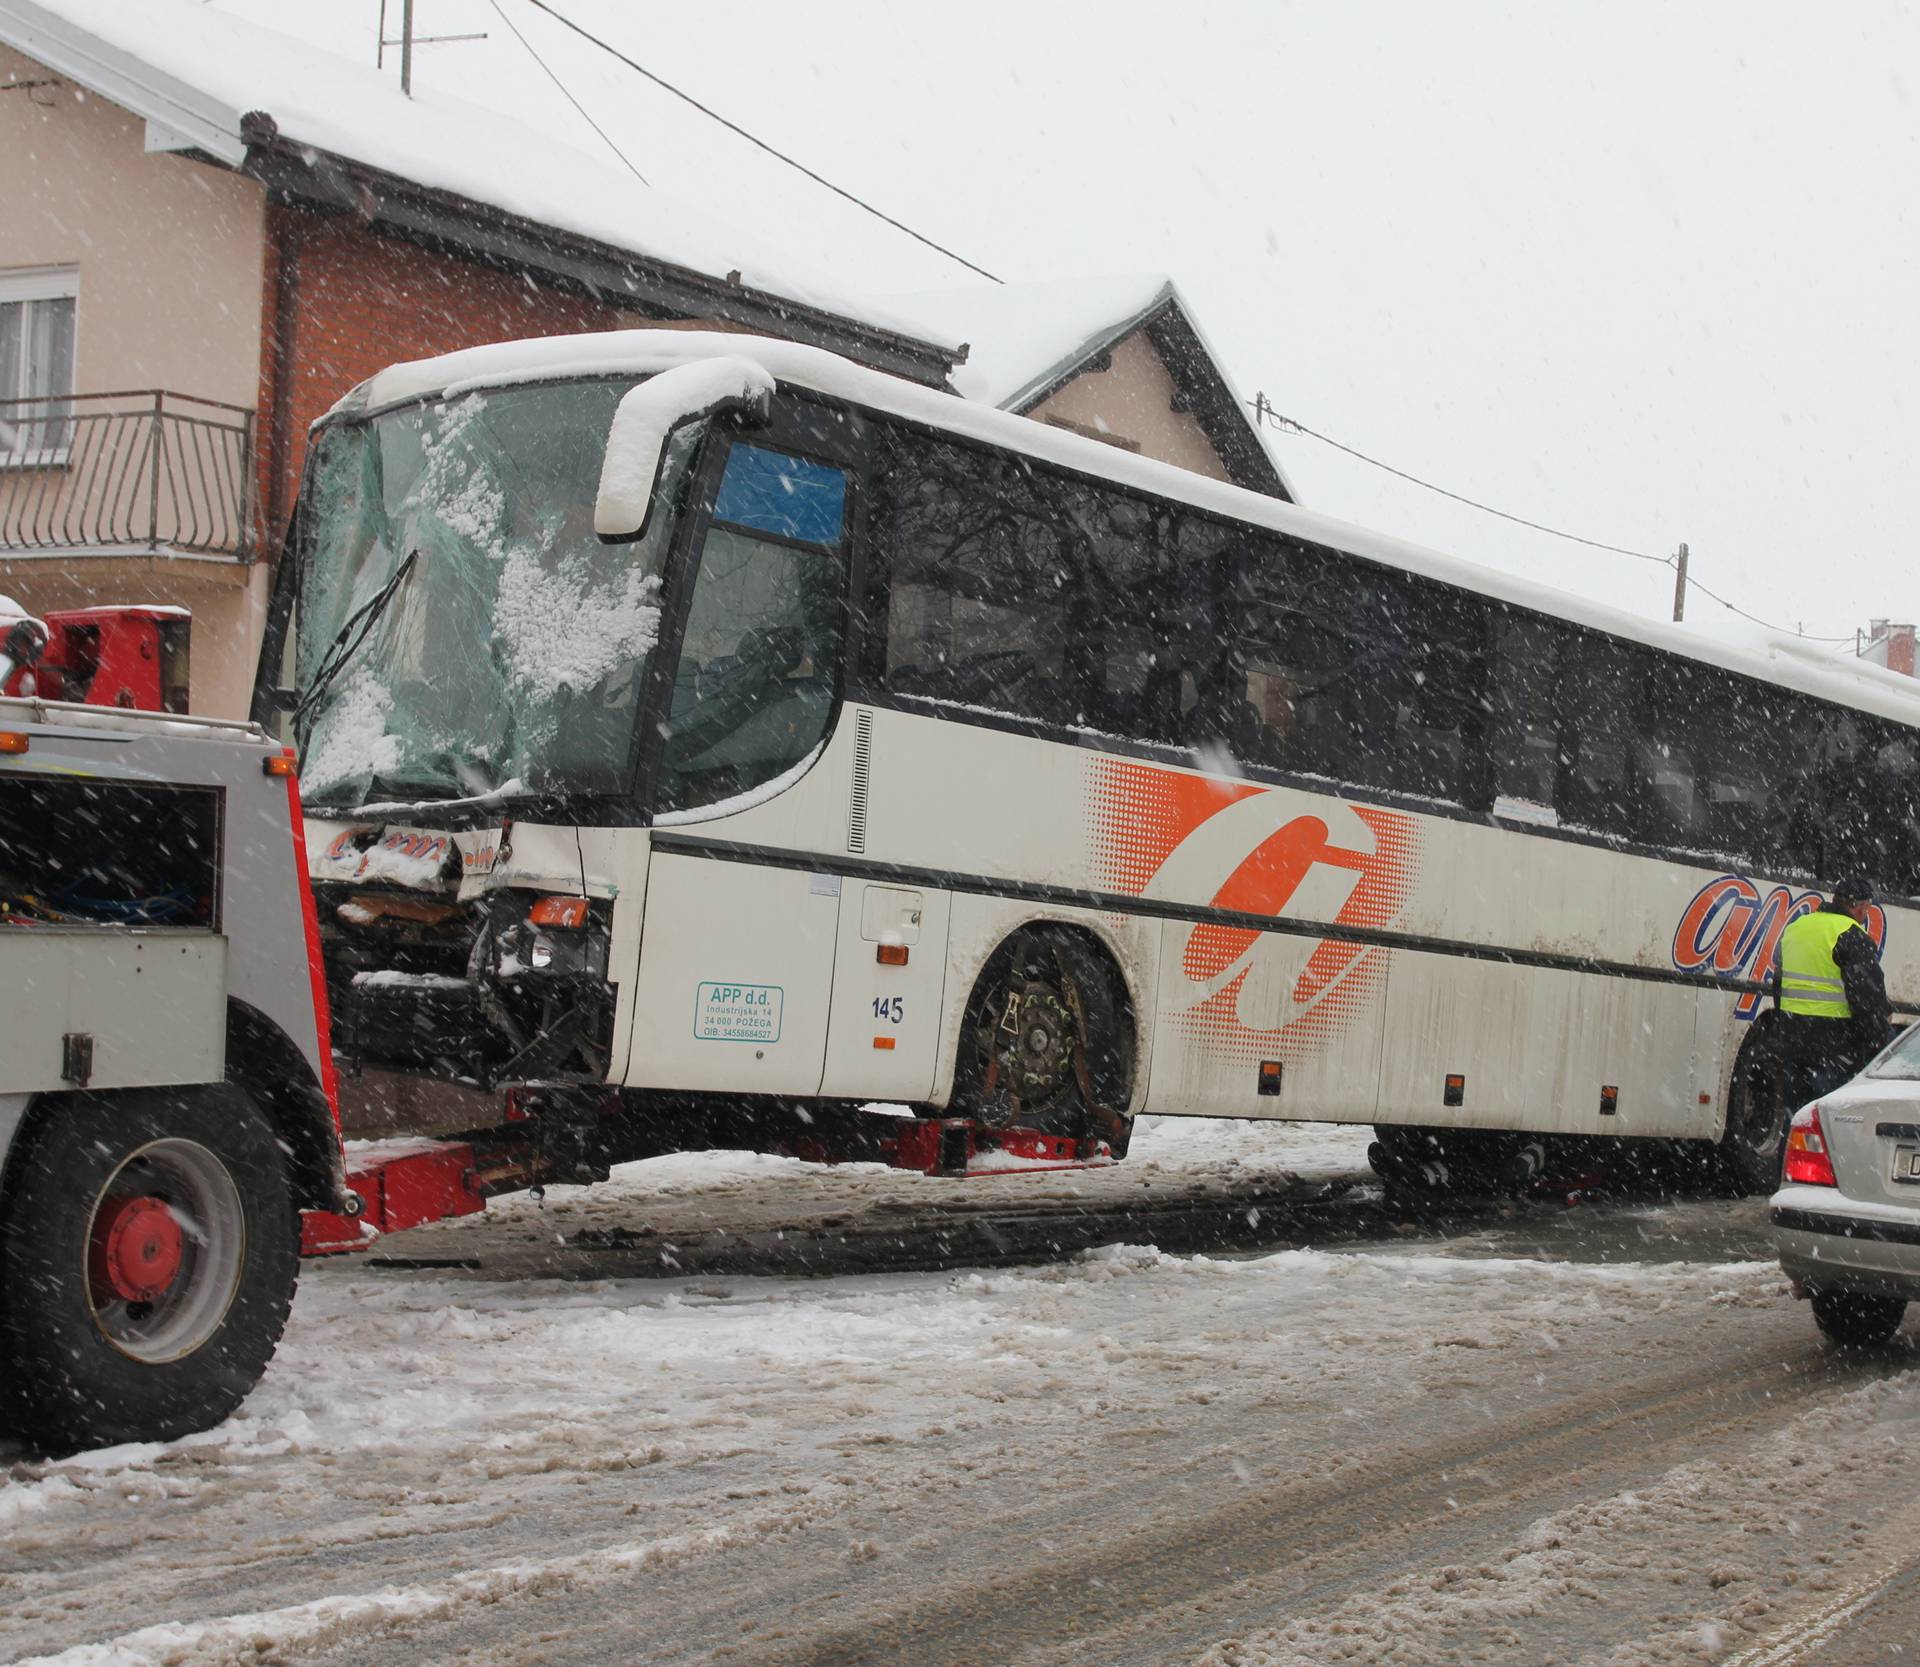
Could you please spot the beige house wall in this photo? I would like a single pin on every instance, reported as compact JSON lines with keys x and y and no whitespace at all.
{"x":1133,"y":401}
{"x":170,"y":251}
{"x":170,"y":259}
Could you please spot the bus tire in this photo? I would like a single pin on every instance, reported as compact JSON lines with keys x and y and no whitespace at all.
{"x":1755,"y":1137}
{"x":1047,"y":1040}
{"x":148,"y":1253}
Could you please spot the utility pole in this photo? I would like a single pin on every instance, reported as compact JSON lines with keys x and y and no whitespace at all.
{"x":1679,"y":577}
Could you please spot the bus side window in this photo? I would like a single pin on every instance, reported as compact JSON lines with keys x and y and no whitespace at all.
{"x":1864,"y":800}
{"x":1524,"y":725}
{"x":1032,"y":593}
{"x":1445,"y":705}
{"x":1744,"y":760}
{"x":1677,"y":724}
{"x":1277,"y":684}
{"x":1600,"y":692}
{"x":1797,"y":823}
{"x":1897,"y":807}
{"x":1136,"y":614}
{"x":983,"y":585}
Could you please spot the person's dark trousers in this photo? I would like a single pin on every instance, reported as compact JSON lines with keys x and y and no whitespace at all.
{"x":1821,"y":1054}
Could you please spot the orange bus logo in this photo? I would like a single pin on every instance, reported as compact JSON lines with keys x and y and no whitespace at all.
{"x":1144,"y":817}
{"x":1732,"y":929}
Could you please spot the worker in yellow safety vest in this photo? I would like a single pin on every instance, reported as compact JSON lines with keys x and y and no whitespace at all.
{"x":1832,"y":991}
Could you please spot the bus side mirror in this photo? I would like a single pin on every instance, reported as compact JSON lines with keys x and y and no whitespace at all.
{"x":649,"y":414}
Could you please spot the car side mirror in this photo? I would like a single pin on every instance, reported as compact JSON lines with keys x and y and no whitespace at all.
{"x":647,"y":417}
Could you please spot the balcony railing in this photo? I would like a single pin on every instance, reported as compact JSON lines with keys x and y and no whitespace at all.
{"x":146,"y":472}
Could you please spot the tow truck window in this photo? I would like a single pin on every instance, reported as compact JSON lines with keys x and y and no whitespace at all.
{"x":80,"y":852}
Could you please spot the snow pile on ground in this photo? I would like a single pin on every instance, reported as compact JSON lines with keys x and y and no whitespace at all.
{"x":694,"y":1192}
{"x":1410,"y":1454}
{"x":1216,"y":1145}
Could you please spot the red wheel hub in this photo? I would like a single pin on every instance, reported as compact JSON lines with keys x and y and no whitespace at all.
{"x":136,"y":1251}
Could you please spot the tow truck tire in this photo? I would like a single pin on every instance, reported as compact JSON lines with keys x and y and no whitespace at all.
{"x":148,"y":1250}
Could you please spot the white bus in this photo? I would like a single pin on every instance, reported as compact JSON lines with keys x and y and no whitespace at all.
{"x":706,"y":737}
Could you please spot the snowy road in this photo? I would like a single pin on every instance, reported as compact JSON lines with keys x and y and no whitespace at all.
{"x":1606,"y":1435}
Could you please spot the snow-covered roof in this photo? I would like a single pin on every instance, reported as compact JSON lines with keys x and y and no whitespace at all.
{"x":194,"y":72}
{"x":1785,"y":660}
{"x":1022,"y":337}
{"x":1025,"y":340}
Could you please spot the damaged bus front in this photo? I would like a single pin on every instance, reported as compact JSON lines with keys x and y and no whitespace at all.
{"x":478,"y":585}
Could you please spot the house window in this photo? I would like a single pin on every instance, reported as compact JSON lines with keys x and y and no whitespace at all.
{"x":37,"y":306}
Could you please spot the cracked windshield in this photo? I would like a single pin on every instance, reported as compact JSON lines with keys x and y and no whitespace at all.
{"x":464,"y":633}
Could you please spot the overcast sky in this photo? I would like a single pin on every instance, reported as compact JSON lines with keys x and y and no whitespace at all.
{"x":1643,"y":271}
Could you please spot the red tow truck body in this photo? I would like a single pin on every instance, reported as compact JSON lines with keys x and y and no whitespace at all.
{"x":135,"y":657}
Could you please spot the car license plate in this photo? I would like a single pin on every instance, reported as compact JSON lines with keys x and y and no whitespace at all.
{"x":1906,"y":1164}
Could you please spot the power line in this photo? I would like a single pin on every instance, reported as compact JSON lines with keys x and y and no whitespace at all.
{"x":1734,"y":607}
{"x":735,"y":127}
{"x":555,"y":79}
{"x":1265,"y":413}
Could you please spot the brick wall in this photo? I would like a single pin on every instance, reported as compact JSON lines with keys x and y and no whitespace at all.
{"x":341,"y":303}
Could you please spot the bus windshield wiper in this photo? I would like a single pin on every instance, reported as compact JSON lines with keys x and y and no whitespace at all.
{"x":341,"y":650}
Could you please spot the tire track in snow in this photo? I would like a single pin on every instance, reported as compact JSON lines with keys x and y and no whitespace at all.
{"x":1806,"y":1635}
{"x":345,"y":1622}
{"x":330,"y":1622}
{"x":1163,"y":1573}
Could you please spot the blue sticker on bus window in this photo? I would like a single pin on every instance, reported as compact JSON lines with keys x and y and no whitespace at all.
{"x":770,"y":492}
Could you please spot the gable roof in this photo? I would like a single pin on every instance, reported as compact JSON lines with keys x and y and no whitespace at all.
{"x":1027,"y":341}
{"x":323,"y":128}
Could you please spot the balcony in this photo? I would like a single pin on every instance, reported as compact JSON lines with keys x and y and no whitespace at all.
{"x":147,"y":473}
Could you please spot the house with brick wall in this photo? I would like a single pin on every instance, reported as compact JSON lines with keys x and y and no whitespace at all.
{"x":209,"y":232}
{"x":1891,"y":644}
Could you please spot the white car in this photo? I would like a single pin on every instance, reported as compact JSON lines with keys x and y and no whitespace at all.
{"x":1847,"y":1215}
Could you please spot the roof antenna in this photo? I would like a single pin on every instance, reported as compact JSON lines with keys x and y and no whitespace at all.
{"x":407,"y":41}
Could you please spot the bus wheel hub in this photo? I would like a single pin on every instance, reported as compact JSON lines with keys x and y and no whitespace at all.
{"x":136,"y":1251}
{"x":1042,"y":1031}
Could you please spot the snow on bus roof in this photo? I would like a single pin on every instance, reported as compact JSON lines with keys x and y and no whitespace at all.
{"x":1776,"y":659}
{"x":194,"y":72}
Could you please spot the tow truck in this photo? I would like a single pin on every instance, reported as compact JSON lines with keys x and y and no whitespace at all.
{"x":166,"y":1088}
{"x":170,"y":1134}
{"x":169,"y":1111}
